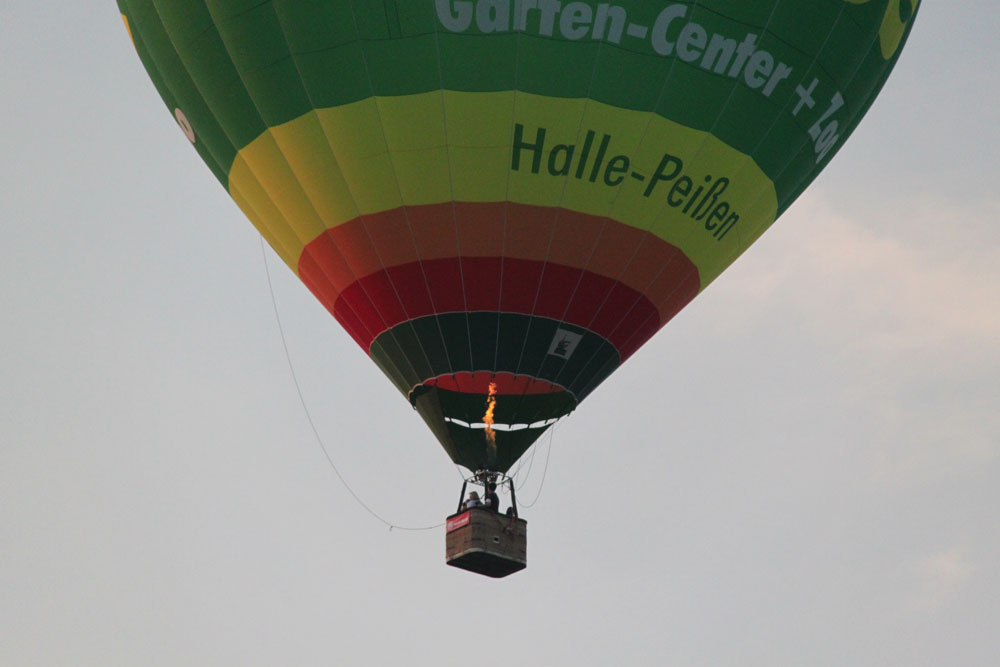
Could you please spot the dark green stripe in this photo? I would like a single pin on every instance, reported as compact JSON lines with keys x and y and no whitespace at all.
{"x":413,"y":352}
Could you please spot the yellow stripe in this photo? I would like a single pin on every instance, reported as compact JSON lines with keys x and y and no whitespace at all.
{"x":129,"y":29}
{"x":890,"y":33}
{"x":331,"y":165}
{"x":892,"y":29}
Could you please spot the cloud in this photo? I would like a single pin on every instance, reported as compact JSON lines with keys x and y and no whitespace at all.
{"x":900,"y":302}
{"x":937,"y":578}
{"x":893,"y":283}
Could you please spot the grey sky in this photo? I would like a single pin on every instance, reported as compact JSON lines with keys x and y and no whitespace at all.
{"x":801,"y":469}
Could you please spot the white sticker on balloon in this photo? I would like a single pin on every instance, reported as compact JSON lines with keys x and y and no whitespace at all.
{"x":564,"y":343}
{"x":185,"y":124}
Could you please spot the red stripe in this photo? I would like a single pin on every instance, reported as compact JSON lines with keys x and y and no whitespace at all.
{"x":577,"y":297}
{"x":365,"y":245}
{"x":617,"y":281}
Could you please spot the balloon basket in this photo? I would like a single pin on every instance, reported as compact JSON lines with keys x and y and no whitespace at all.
{"x":487,"y":543}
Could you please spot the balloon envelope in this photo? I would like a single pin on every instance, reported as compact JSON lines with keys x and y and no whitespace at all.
{"x":517,"y":192}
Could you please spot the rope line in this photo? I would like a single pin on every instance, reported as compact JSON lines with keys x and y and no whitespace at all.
{"x":548,"y":455}
{"x":520,"y":465}
{"x":312,"y":424}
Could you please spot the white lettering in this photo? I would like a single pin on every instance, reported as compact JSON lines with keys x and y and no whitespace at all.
{"x":574,"y":22}
{"x":717,"y":56}
{"x":691,"y":42}
{"x":549,"y":9}
{"x":688,"y":41}
{"x":454,"y":15}
{"x":781,"y":73}
{"x":618,"y":18}
{"x":758,"y":69}
{"x":663,"y":21}
{"x":521,"y":8}
{"x":743,"y":52}
{"x":493,"y":15}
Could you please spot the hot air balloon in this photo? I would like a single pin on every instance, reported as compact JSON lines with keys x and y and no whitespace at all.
{"x":513,"y":194}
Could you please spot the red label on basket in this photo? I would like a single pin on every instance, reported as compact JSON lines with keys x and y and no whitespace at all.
{"x":457,"y":522}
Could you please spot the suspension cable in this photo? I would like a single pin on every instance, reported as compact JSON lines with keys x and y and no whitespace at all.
{"x":548,"y":454}
{"x":312,"y":424}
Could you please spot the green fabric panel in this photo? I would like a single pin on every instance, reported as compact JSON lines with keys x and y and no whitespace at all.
{"x":800,"y":171}
{"x":196,"y":38}
{"x":749,"y":14}
{"x":274,"y":61}
{"x":802,"y":25}
{"x":593,"y":373}
{"x":252,"y":36}
{"x":840,"y":58}
{"x":176,"y":87}
{"x":428,"y":347}
{"x":385,"y":61}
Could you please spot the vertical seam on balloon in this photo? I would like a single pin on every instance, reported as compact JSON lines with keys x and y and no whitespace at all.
{"x":318,"y":218}
{"x":454,"y":212}
{"x":555,"y":223}
{"x":811,"y":174}
{"x":649,"y":121}
{"x":741,"y":247}
{"x":636,"y":301}
{"x":506,"y":197}
{"x":262,"y":219}
{"x":879,"y":81}
{"x":707,"y":134}
{"x":402,"y":375}
{"x":209,"y":109}
{"x":406,"y":214}
{"x":196,"y":85}
{"x":138,"y":38}
{"x":627,"y":343}
{"x":611,"y":206}
{"x":705,"y":137}
{"x":652,"y":113}
{"x":325,"y":230}
{"x":324,"y":270}
{"x":360,"y":216}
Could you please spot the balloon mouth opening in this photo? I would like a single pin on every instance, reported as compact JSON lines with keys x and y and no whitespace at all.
{"x":459,"y":421}
{"x":503,"y":427}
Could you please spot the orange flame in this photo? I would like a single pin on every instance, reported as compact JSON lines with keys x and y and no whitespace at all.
{"x":491,"y":404}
